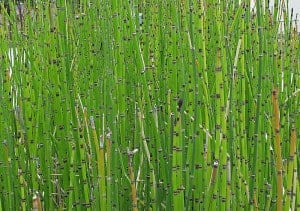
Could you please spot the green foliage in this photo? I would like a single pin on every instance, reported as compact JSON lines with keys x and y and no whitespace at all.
{"x":157,"y":105}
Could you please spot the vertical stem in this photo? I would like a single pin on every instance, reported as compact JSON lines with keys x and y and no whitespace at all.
{"x":100,"y":164}
{"x":290,"y":170}
{"x":276,"y":126}
{"x":132,"y":181}
{"x":108,"y":167}
{"x":177,"y":177}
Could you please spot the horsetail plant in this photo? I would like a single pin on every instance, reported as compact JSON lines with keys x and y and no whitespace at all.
{"x":149,"y":105}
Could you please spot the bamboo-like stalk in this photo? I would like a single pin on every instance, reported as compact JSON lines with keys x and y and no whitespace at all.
{"x":187,"y":83}
{"x":37,"y":203}
{"x":108,"y":167}
{"x":82,"y":152}
{"x":102,"y":177}
{"x":254,"y":181}
{"x":290,"y":171}
{"x":277,"y":144}
{"x":99,"y":146}
{"x":147,"y":152}
{"x":132,"y":181}
{"x":177,"y":177}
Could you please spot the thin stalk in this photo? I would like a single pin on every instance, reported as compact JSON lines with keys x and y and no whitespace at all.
{"x":277,"y":144}
{"x":100,"y":165}
{"x":290,"y":174}
{"x":132,"y":181}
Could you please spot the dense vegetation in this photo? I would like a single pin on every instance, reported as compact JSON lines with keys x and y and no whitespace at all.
{"x":119,"y":105}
